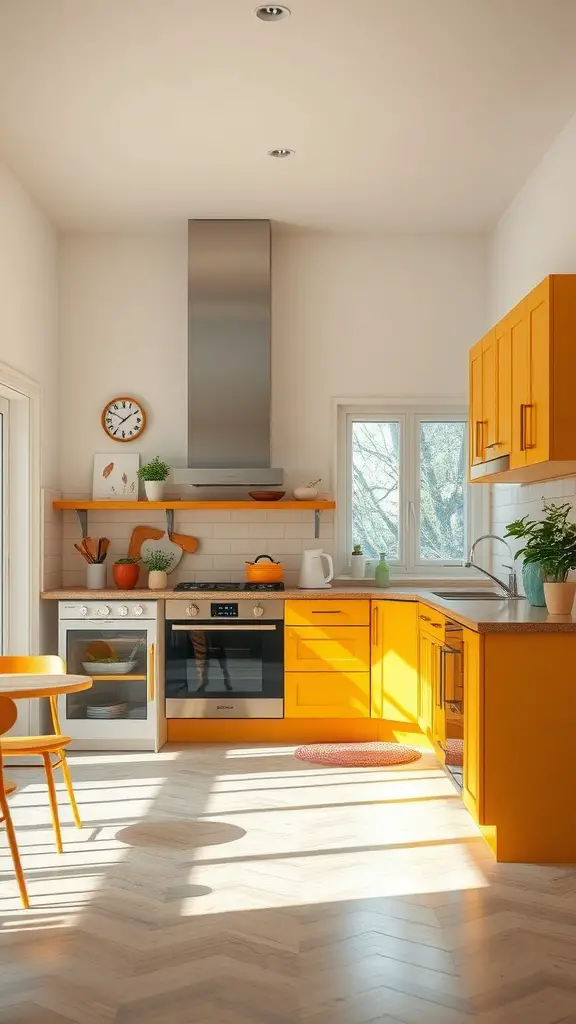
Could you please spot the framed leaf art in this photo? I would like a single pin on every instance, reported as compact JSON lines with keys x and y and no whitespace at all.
{"x":115,"y":477}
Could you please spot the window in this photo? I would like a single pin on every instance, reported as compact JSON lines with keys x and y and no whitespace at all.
{"x":403,"y":487}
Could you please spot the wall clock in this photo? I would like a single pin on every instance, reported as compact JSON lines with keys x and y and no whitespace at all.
{"x":123,"y":419}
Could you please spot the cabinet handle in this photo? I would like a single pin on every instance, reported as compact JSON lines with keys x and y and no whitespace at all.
{"x":328,"y":611}
{"x":375,"y":623}
{"x":151,"y":671}
{"x":425,"y":618}
{"x":436,"y":625}
{"x":478,"y":439}
{"x":524,"y":444}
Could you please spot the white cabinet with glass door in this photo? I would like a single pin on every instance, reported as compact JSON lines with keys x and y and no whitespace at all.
{"x":117,"y":643}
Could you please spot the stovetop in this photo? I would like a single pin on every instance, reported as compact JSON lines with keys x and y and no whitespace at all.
{"x":230,"y":587}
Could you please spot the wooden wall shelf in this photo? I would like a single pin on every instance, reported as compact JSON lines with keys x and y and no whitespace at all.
{"x":139,"y":506}
{"x":82,"y":508}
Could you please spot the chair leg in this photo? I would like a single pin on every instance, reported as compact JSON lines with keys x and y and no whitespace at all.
{"x":68,"y":783}
{"x":53,"y":800}
{"x":13,"y":844}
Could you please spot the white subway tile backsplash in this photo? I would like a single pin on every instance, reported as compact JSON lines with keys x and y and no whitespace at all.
{"x":229,"y":530}
{"x":249,"y":516}
{"x":264,"y":530}
{"x":289,"y":546}
{"x":284,"y":516}
{"x":216,"y":546}
{"x":299,"y":530}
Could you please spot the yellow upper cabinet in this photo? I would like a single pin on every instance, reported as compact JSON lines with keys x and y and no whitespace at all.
{"x":520,"y":373}
{"x":476,"y":405}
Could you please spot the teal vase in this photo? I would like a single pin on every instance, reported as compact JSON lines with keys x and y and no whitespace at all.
{"x":533,"y":584}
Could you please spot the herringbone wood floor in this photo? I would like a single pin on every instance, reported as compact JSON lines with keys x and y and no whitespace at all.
{"x":239,"y":886}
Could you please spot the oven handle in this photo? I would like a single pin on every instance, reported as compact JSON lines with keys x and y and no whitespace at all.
{"x":249,"y":627}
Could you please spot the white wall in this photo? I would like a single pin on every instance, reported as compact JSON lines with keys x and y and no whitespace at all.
{"x":535,"y":237}
{"x":353,"y":316}
{"x":29,"y":305}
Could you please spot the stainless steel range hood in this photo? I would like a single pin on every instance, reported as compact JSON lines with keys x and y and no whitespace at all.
{"x":229,"y":291}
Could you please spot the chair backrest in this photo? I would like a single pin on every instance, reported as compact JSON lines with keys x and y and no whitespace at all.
{"x":8,"y":714}
{"x":39,"y":665}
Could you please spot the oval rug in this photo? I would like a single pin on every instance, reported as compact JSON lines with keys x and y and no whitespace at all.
{"x":357,"y":755}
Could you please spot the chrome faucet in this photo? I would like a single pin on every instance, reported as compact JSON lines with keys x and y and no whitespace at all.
{"x":510,"y":588}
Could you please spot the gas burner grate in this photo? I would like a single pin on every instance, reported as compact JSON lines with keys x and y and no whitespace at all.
{"x":230,"y":587}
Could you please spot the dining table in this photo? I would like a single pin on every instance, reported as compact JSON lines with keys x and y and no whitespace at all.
{"x":21,"y":685}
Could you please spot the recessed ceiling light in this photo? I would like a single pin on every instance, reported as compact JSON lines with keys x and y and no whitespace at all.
{"x":272,"y":12}
{"x":280,"y":153}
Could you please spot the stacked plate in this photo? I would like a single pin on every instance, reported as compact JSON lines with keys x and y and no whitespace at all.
{"x":138,"y":712}
{"x":118,"y":709}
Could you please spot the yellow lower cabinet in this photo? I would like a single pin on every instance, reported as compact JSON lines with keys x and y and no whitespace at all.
{"x":327,"y":649}
{"x":395,"y":661}
{"x":327,"y":695}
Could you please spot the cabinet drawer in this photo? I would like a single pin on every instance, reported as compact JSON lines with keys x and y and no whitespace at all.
{"x":431,"y":621}
{"x":327,"y":649}
{"x":327,"y":613}
{"x":323,"y":695}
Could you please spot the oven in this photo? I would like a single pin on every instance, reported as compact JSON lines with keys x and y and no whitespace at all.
{"x":225,"y":659}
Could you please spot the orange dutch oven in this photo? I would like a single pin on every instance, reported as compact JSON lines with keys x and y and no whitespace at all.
{"x":267,"y":572}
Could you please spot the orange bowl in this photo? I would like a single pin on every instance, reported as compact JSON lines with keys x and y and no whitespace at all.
{"x":266,"y":495}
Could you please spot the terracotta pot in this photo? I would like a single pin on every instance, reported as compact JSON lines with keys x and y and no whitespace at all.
{"x":157,"y":580}
{"x":559,"y":597}
{"x":125,"y":575}
{"x":264,"y":572}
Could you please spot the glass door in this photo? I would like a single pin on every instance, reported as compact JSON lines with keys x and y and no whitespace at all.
{"x":119,"y":663}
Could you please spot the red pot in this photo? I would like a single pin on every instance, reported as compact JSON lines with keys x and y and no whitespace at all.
{"x":125,"y":575}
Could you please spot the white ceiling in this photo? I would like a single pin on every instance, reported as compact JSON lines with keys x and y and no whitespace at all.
{"x":404,"y":114}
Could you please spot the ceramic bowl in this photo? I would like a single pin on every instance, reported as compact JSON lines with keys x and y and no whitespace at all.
{"x":266,"y":495}
{"x":305,"y":493}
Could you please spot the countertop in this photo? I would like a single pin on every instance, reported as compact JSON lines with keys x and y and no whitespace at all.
{"x":482,"y":616}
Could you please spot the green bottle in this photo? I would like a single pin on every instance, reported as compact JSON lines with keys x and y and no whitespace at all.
{"x":382,"y":572}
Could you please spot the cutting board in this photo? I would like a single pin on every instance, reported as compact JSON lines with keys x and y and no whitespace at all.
{"x":143,"y":533}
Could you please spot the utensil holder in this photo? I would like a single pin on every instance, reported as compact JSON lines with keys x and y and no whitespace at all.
{"x":96,"y":576}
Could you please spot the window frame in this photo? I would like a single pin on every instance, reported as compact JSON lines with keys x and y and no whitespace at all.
{"x":409,"y":415}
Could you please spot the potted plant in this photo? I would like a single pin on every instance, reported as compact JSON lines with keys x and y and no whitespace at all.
{"x":154,"y":474}
{"x":125,"y":572}
{"x":158,"y":564}
{"x":550,"y":544}
{"x":358,"y":563}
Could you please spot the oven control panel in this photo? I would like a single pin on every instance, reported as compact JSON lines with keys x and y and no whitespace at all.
{"x":224,"y":610}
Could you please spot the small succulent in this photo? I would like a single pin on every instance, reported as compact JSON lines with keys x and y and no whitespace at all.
{"x":357,"y":549}
{"x":158,"y":561}
{"x":154,"y":470}
{"x":126,"y":561}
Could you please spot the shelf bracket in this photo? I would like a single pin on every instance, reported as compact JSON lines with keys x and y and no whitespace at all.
{"x":317,"y":514}
{"x":83,"y":520}
{"x":169,"y":521}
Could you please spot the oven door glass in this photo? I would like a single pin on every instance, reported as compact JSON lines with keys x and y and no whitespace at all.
{"x":208,"y":659}
{"x":117,"y":660}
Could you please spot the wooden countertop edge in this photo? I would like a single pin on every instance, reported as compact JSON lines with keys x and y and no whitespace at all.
{"x":545,"y":624}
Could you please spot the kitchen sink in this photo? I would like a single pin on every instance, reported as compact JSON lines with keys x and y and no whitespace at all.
{"x":473,"y":595}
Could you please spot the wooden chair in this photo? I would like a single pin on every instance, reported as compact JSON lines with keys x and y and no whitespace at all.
{"x":8,"y":715}
{"x":43,"y":746}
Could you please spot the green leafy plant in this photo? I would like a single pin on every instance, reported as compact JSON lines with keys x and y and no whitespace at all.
{"x":357,"y":549}
{"x":126,"y":561}
{"x":154,"y":470}
{"x":550,"y":542}
{"x":158,"y":561}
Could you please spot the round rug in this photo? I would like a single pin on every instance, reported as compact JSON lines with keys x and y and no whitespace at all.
{"x":357,"y":755}
{"x":454,"y":752}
